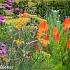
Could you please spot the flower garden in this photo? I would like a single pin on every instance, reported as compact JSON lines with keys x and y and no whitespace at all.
{"x":31,"y":39}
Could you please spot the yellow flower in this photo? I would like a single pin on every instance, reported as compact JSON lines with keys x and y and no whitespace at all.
{"x":18,"y":25}
{"x":4,"y":57}
{"x":18,"y":41}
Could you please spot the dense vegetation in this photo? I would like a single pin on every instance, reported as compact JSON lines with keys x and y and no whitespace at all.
{"x":35,"y":35}
{"x":62,"y":6}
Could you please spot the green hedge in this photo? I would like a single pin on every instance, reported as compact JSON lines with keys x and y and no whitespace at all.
{"x":44,"y":8}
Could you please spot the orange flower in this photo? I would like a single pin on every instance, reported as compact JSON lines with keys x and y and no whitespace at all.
{"x":44,"y":40}
{"x":55,"y":30}
{"x":45,"y":43}
{"x":57,"y":37}
{"x":43,"y":26}
{"x":47,"y":37}
{"x":38,"y":34}
{"x":42,"y":35}
{"x":66,"y":23}
{"x":42,"y":29}
{"x":56,"y":34}
{"x":68,"y":43}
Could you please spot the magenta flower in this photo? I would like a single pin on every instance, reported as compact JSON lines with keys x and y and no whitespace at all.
{"x":3,"y":48}
{"x":1,"y":19}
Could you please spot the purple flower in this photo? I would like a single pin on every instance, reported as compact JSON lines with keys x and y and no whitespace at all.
{"x":9,"y":1}
{"x":3,"y":48}
{"x":10,"y":9}
{"x":9,"y":6}
{"x":2,"y":7}
{"x":16,"y":9}
{"x":5,"y":5}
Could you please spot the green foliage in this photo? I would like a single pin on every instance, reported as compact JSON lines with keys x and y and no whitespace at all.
{"x":2,"y":12}
{"x":22,"y":4}
{"x":15,"y":5}
{"x":62,"y":6}
{"x":44,"y":8}
{"x":41,"y":9}
{"x":1,"y":1}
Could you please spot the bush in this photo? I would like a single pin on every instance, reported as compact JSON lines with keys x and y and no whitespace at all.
{"x":44,"y":8}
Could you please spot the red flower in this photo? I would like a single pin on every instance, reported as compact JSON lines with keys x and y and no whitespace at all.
{"x":68,"y":43}
{"x":24,"y":13}
{"x":66,"y":23}
{"x":37,"y":48}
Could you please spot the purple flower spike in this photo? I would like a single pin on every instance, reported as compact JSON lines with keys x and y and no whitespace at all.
{"x":3,"y":48}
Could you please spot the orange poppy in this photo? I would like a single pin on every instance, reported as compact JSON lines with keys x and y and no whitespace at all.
{"x":43,"y":26}
{"x":66,"y":23}
{"x":68,"y":43}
